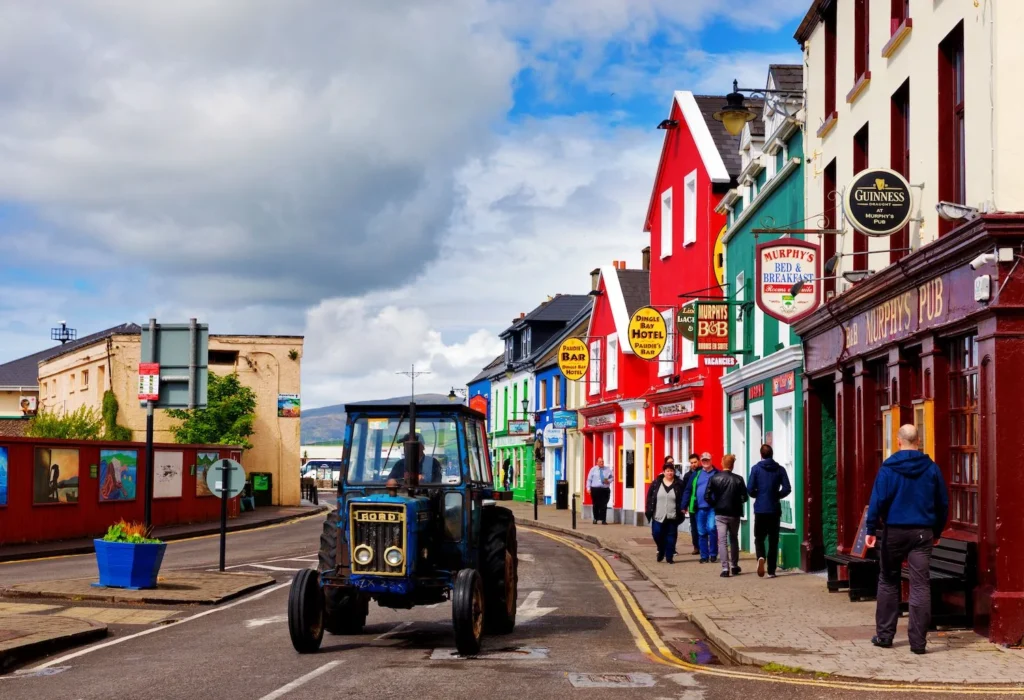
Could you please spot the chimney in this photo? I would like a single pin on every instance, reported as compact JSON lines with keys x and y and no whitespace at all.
{"x":595,"y":278}
{"x":646,"y":253}
{"x":522,"y":314}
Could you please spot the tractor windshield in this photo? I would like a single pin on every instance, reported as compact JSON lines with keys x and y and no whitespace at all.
{"x":378,"y":453}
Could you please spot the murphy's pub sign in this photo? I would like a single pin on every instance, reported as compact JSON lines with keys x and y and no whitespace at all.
{"x":878,"y":202}
{"x":780,"y":265}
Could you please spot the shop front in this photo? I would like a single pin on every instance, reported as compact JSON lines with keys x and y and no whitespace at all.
{"x":514,"y":455}
{"x":601,"y":440}
{"x":938,"y":341}
{"x":634,"y":461}
{"x":682,"y":423}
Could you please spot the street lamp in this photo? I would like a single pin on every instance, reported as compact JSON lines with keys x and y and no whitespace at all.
{"x":454,"y":391}
{"x":526,"y":405}
{"x":735,"y":113}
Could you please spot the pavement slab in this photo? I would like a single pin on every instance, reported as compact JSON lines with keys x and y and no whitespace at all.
{"x":172,"y":588}
{"x":28,"y":636}
{"x":119,"y":616}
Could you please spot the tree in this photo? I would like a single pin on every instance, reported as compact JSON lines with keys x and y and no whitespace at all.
{"x":82,"y":424}
{"x":227,"y":419}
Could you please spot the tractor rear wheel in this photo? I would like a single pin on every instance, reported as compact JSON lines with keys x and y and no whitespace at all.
{"x":499,"y":565}
{"x":305,"y":612}
{"x":468,"y":612}
{"x":345,"y":611}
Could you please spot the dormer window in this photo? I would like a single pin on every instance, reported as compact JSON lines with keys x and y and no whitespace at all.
{"x":508,"y":351}
{"x":526,"y":343}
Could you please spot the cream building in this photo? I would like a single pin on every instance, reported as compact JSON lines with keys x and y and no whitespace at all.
{"x":873,"y":68}
{"x":270,"y":365}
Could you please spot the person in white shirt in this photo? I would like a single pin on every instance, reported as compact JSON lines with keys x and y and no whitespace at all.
{"x":599,"y":486}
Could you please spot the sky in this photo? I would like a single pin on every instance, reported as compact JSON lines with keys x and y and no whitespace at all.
{"x":394,"y":181}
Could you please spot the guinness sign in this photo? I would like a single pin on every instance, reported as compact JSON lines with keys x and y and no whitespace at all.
{"x":878,"y":202}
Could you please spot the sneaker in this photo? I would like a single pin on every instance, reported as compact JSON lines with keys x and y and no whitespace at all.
{"x":595,"y":521}
{"x":670,"y":561}
{"x":771,"y":575}
{"x":919,"y":650}
{"x":703,"y":561}
{"x":760,"y":566}
{"x":736,"y":570}
{"x":724,"y":574}
{"x":661,"y":557}
{"x":714,"y":560}
{"x":883,"y":643}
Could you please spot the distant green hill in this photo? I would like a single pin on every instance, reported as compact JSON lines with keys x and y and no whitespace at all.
{"x":327,"y":424}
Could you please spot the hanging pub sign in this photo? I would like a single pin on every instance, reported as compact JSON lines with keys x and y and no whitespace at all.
{"x":781,"y":264}
{"x":573,"y":359}
{"x":878,"y":201}
{"x":686,"y":322}
{"x":712,"y":328}
{"x":648,"y":333}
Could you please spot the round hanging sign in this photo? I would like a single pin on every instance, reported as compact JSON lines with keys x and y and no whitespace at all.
{"x":573,"y":359}
{"x":686,"y":322}
{"x":648,"y":333}
{"x":878,"y":202}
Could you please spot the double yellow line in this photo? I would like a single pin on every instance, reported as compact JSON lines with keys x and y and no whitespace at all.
{"x":651,"y":644}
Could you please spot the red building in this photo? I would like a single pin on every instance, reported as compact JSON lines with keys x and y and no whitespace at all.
{"x":639,"y":411}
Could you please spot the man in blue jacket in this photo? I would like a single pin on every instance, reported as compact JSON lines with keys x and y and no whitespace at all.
{"x":910,"y":498}
{"x":698,"y":507}
{"x":768,"y":484}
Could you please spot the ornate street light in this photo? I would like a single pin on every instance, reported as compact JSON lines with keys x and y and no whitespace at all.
{"x":452,"y":394}
{"x":736,"y":113}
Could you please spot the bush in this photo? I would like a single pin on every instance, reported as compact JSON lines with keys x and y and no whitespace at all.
{"x":132,"y":533}
{"x":228,"y":418}
{"x":82,"y":424}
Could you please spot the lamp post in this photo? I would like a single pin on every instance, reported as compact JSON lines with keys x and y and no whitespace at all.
{"x":455,"y":393}
{"x":736,"y":113}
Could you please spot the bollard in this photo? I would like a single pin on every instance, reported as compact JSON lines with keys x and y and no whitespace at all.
{"x":535,"y":504}
{"x":574,"y":511}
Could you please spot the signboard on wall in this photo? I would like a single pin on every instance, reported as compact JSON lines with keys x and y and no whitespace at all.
{"x":573,"y":359}
{"x":648,"y":333}
{"x":779,"y":265}
{"x":606,"y":419}
{"x":479,"y":403}
{"x":519,"y":427}
{"x":755,"y":391}
{"x":720,"y":361}
{"x":675,"y":409}
{"x":736,"y":401}
{"x":565,"y":419}
{"x":149,"y":381}
{"x":686,"y":322}
{"x":712,"y":328}
{"x":28,"y":405}
{"x":878,"y":201}
{"x":553,"y":437}
{"x":784,"y":383}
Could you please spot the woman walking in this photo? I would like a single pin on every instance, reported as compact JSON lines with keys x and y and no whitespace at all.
{"x":664,"y":509}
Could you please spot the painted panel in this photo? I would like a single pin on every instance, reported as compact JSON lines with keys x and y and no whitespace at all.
{"x":118,"y":474}
{"x":56,"y":476}
{"x":168,"y":468}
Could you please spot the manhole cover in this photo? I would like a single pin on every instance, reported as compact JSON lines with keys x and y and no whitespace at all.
{"x":611,"y":680}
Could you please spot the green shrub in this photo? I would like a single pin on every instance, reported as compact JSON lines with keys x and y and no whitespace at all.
{"x":131,"y":533}
{"x":82,"y":424}
{"x":113,"y":431}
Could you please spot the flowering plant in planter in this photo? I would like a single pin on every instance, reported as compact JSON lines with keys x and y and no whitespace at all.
{"x":128,"y":557}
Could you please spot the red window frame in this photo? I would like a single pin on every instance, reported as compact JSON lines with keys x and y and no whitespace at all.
{"x":830,"y":61}
{"x":900,"y":13}
{"x":964,"y":433}
{"x":861,"y":39}
{"x":899,"y":141}
{"x":860,"y":162}
{"x":952,"y":123}
{"x":831,"y":220}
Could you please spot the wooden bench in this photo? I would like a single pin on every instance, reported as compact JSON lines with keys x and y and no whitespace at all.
{"x":953,"y":569}
{"x":861,"y":578}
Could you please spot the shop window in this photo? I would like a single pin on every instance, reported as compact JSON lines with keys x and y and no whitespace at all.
{"x":612,"y":379}
{"x":899,"y":139}
{"x":666,"y":223}
{"x":860,"y":162}
{"x":964,"y":422}
{"x":882,"y":432}
{"x":952,"y":136}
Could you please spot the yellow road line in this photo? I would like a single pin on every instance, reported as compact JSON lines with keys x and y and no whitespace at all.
{"x":624,"y":599}
{"x":185,"y":539}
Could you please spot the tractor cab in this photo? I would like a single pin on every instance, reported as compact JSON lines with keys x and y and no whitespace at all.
{"x":417,"y":523}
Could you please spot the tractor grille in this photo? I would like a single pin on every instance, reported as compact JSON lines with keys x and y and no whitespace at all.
{"x":379,"y":527}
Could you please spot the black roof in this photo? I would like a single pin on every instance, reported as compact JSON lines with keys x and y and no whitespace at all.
{"x":728,"y":145}
{"x":558,"y":339}
{"x":787,"y":76}
{"x":489,"y":370}
{"x":24,"y":372}
{"x":561,"y":308}
{"x":636,"y":289}
{"x":756,"y":128}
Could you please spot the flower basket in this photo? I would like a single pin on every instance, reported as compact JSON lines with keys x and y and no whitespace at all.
{"x":126,"y":558}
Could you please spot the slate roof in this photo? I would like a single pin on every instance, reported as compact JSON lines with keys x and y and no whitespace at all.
{"x":24,"y":372}
{"x":582,"y":318}
{"x":787,"y":76}
{"x":757,"y":128}
{"x":560,"y":309}
{"x":488,"y":371}
{"x":727,"y":144}
{"x":15,"y":427}
{"x":636,"y":289}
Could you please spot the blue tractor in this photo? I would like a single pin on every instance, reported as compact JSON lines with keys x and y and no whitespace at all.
{"x":417,"y":523}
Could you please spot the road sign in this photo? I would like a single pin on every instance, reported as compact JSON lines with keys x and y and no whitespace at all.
{"x":149,"y":381}
{"x":180,"y":350}
{"x":216,"y":476}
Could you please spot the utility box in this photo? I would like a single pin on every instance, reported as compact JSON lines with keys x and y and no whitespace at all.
{"x":562,"y":495}
{"x":262,"y":488}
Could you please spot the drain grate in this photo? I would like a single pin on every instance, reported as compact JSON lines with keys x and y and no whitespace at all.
{"x":611,"y":680}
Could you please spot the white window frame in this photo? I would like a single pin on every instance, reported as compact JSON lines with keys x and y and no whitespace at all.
{"x":594,"y":381}
{"x":740,"y":298}
{"x":667,"y":360}
{"x":759,"y":348}
{"x":690,"y":209}
{"x":666,"y":223}
{"x":611,"y":380}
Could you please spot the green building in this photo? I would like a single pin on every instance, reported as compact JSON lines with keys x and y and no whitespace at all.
{"x":764,"y":393}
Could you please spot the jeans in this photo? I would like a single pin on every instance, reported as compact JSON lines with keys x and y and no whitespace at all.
{"x":601,"y":497}
{"x":766,"y":525}
{"x":707,"y":533}
{"x":693,"y":531}
{"x":664,"y":534}
{"x":915,"y":546}
{"x":728,"y":540}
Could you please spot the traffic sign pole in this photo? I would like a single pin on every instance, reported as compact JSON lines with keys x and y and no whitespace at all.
{"x":150,"y":471}
{"x":226,"y":476}
{"x":219,"y":479}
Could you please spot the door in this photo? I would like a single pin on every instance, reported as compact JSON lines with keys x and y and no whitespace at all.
{"x":738,"y":442}
{"x":610,"y":461}
{"x":782,"y":439}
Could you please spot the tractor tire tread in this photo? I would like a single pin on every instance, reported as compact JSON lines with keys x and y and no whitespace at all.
{"x":498,"y":536}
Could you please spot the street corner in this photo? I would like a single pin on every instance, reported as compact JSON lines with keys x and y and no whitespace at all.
{"x":178,"y":588}
{"x":29,"y":634}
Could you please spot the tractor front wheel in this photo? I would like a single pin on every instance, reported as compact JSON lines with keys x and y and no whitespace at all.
{"x":468,"y":612}
{"x":345,"y":610}
{"x":306,"y":612}
{"x":499,"y":566}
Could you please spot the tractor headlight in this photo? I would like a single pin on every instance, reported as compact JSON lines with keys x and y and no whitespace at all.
{"x":393,"y":556}
{"x":363,"y":555}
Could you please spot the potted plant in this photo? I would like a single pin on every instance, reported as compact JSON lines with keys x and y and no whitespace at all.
{"x":128,"y":557}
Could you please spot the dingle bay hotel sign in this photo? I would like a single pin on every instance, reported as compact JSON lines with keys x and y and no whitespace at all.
{"x":878,"y":202}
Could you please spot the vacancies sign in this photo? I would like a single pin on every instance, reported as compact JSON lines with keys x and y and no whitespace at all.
{"x":779,"y":265}
{"x":648,"y":333}
{"x":878,"y":202}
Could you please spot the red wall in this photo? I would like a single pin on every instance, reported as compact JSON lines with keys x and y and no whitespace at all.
{"x":23,"y":521}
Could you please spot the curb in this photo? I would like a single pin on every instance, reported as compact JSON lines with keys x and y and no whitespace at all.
{"x":45,"y":647}
{"x":71,"y":550}
{"x":113,"y":595}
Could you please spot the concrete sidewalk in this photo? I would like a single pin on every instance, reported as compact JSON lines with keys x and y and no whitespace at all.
{"x":249,"y":520}
{"x":791,"y":620}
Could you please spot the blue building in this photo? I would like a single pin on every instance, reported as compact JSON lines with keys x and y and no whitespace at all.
{"x":478,"y":395}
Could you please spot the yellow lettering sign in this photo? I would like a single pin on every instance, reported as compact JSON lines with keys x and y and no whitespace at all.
{"x":573,"y":359}
{"x":648,"y":333}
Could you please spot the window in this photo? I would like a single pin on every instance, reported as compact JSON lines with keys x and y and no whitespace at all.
{"x":860,"y":162}
{"x":830,"y":61}
{"x":526,"y":343}
{"x":899,"y":159}
{"x":666,"y":361}
{"x":556,"y":390}
{"x":476,"y":471}
{"x":504,"y":410}
{"x":612,"y":378}
{"x":740,"y":339}
{"x":542,"y":397}
{"x":828,"y":244}
{"x":53,"y":389}
{"x":759,"y":349}
{"x":43,"y":392}
{"x":85,"y":379}
{"x":880,"y":374}
{"x":485,"y":462}
{"x":678,"y":441}
{"x":861,"y":39}
{"x":900,"y":13}
{"x":689,"y":356}
{"x":963,"y":432}
{"x":595,"y":368}
{"x":71,"y":385}
{"x":222,"y":357}
{"x":952,"y":137}
{"x":508,"y":351}
{"x":666,"y":223}
{"x":690,"y":209}
{"x":100,"y":380}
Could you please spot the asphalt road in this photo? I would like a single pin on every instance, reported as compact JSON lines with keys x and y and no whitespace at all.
{"x":575,"y":630}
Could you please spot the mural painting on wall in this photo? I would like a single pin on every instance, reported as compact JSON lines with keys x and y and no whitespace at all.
{"x":204,"y":460}
{"x":3,"y":476}
{"x":56,"y":476}
{"x":118,"y":474}
{"x":28,"y":405}
{"x":288,"y":406}
{"x":168,"y":467}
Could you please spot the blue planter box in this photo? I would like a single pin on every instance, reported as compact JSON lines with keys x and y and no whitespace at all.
{"x":124,"y":565}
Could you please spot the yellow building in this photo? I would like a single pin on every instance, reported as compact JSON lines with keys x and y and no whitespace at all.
{"x":79,"y":374}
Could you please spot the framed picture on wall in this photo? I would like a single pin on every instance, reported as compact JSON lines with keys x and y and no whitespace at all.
{"x":55,"y":476}
{"x":167,"y":473}
{"x":118,"y":475}
{"x":3,"y":477}
{"x":204,"y":460}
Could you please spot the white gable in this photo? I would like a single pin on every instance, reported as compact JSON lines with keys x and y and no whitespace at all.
{"x":702,"y":136}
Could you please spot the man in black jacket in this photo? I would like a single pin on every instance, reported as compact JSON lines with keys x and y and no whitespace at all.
{"x":727,"y":493}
